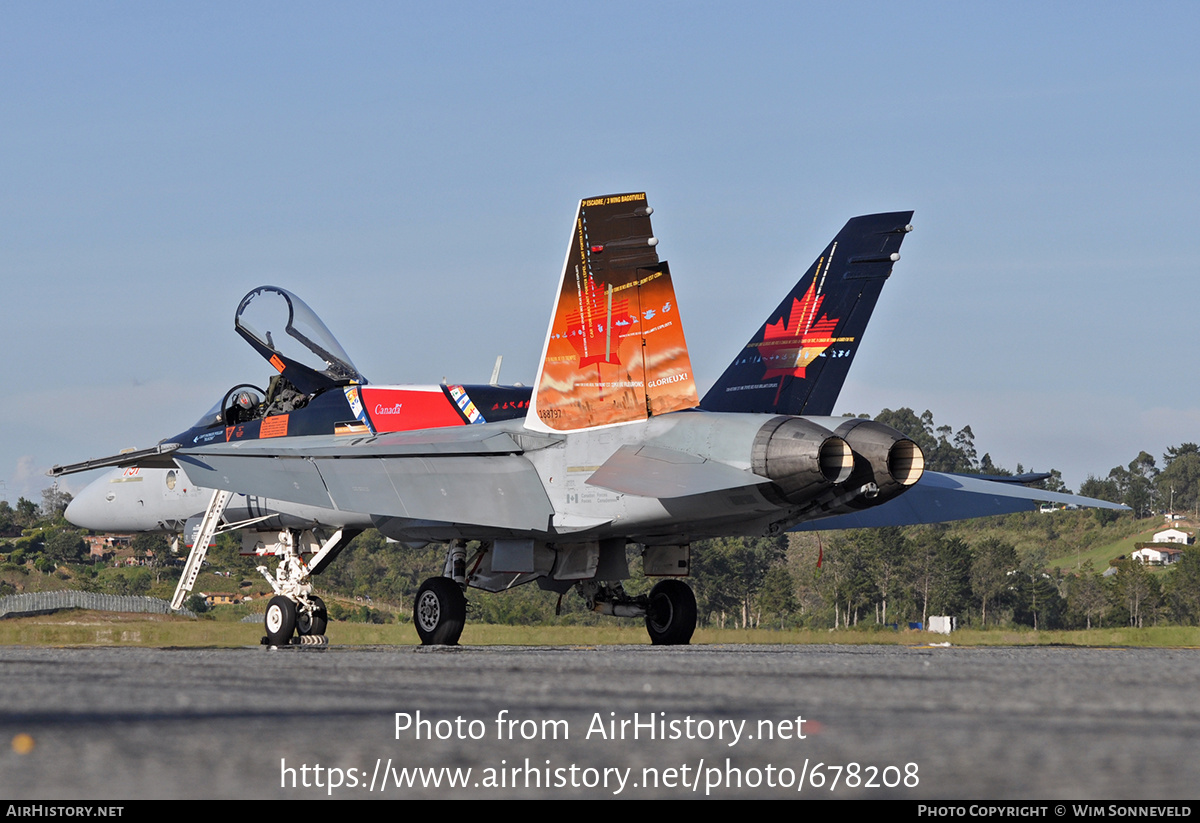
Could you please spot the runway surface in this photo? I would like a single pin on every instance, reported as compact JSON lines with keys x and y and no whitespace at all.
{"x":918,"y":723}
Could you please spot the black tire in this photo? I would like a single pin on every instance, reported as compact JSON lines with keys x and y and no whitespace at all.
{"x":671,"y":613}
{"x":317,"y":622}
{"x":439,"y":612}
{"x":280,"y":621}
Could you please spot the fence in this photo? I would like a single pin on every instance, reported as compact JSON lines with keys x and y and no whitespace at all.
{"x":17,"y":605}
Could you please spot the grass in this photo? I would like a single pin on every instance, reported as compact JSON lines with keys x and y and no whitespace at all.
{"x":95,"y":629}
{"x":1100,"y":556}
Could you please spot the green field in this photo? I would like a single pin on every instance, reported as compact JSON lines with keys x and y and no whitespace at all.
{"x":1099,"y":556}
{"x":93,"y":629}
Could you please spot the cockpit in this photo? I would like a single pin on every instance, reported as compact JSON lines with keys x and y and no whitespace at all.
{"x":286,"y":331}
{"x":306,"y":356}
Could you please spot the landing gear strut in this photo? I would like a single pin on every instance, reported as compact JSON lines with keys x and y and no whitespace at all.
{"x":292,"y":584}
{"x":294,"y":608}
{"x":669,"y":609}
{"x":440,"y":609}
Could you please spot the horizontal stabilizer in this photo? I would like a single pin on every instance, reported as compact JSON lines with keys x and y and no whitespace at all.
{"x":1019,"y":479}
{"x":939,"y":498}
{"x":650,"y":471}
{"x":798,"y":359}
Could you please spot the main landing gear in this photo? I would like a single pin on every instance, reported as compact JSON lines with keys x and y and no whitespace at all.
{"x":671,"y":613}
{"x":669,"y":609}
{"x":440,"y":610}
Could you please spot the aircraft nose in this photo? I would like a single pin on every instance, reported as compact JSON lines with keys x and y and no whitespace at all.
{"x":90,"y":510}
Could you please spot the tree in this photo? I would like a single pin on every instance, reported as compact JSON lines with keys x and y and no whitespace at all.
{"x":131,"y":581}
{"x":1135,"y":484}
{"x":729,"y":572}
{"x":777,"y":596}
{"x":8,"y":526}
{"x":964,"y":442}
{"x":1137,"y":589}
{"x":948,"y":451}
{"x":1036,"y":599}
{"x":1086,"y":597}
{"x":994,"y":560}
{"x":1101,"y":489}
{"x":1179,"y":481}
{"x":906,"y":421}
{"x":1053,"y":483}
{"x":986,"y":466}
{"x":888,"y":552}
{"x":941,"y":573}
{"x":155,"y":551}
{"x":845,"y":578}
{"x":54,"y":502}
{"x":26,"y":513}
{"x":1182,"y":590}
{"x":65,"y":545}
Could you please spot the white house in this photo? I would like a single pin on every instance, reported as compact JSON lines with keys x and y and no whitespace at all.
{"x":1172,"y":536}
{"x":1157,"y":555}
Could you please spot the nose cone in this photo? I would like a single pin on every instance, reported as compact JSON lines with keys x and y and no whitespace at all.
{"x":107,"y":505}
{"x":86,"y":510}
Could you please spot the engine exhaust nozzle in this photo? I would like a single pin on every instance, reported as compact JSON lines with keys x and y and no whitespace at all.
{"x":800,"y":457}
{"x":885,"y":459}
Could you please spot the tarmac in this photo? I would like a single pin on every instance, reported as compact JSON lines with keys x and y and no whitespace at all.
{"x":890,"y":722}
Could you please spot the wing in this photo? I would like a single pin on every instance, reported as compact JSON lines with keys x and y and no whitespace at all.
{"x":939,"y":498}
{"x":798,"y":360}
{"x":475,"y":476}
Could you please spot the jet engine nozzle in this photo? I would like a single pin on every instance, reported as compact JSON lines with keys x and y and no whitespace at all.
{"x":886,"y":461}
{"x":800,"y":457}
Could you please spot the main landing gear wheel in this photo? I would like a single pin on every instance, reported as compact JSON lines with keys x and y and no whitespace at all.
{"x":671,"y":613}
{"x":280,"y":621}
{"x":440,"y":612}
{"x":315,"y":623}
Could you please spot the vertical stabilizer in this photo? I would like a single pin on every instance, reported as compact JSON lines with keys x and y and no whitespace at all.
{"x":798,"y":360}
{"x":615,"y":350}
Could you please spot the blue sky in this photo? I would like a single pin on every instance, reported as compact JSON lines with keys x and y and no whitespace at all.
{"x":411,"y":171}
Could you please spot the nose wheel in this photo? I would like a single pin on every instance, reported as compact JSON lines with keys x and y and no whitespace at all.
{"x":280,"y":621}
{"x":315,"y":621}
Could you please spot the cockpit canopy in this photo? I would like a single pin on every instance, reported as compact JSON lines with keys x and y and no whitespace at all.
{"x":285,"y":331}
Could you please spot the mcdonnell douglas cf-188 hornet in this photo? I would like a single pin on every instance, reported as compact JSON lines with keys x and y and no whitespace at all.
{"x":136,"y":498}
{"x":611,"y":446}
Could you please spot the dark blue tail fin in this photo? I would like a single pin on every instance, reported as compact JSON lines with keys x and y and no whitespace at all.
{"x":798,"y":360}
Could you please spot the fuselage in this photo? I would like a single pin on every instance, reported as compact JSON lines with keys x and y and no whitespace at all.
{"x":146,"y":499}
{"x":671,"y":479}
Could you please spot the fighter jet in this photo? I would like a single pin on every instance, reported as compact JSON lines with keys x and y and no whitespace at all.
{"x":611,"y":447}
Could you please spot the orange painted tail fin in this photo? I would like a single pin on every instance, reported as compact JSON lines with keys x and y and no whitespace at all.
{"x":615,"y":350}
